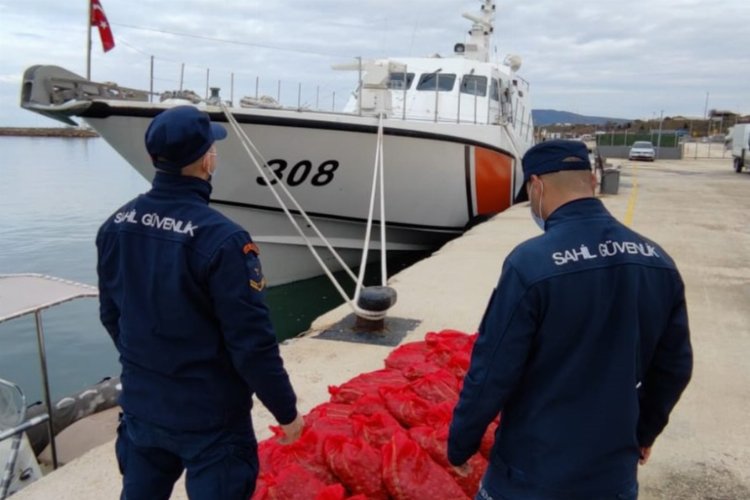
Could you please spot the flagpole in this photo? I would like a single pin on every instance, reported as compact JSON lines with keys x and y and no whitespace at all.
{"x":88,"y":42}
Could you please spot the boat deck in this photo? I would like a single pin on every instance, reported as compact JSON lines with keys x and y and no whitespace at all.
{"x":696,"y":209}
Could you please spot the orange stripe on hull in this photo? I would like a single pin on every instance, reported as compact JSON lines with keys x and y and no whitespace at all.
{"x":493,"y":173}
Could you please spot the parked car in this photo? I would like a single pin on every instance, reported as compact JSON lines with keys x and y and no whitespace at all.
{"x":642,"y":150}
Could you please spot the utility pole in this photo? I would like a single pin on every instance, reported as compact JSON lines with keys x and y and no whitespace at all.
{"x":705,"y":117}
{"x":705,"y":110}
{"x":658,"y":144}
{"x":151,"y":82}
{"x":88,"y":43}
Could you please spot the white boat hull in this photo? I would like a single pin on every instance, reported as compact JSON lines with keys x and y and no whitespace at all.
{"x":438,"y":178}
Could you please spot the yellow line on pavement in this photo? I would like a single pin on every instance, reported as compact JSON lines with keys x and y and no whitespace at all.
{"x":633,"y":196}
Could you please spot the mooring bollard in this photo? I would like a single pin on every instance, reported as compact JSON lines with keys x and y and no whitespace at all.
{"x":376,"y":300}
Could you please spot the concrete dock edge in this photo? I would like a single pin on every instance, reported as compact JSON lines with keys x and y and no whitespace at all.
{"x":697,"y":210}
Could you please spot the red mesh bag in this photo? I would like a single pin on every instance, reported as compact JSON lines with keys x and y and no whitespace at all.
{"x":357,"y":465}
{"x":437,"y":387}
{"x":366,"y":383}
{"x":408,"y":408}
{"x":306,"y":452}
{"x":332,"y":492}
{"x":458,"y":364}
{"x":369,"y":405}
{"x":451,"y":340}
{"x":451,"y":350}
{"x":335,"y":410}
{"x":435,"y":443}
{"x":265,"y":451}
{"x":488,"y":440}
{"x":261,"y":486}
{"x":325,"y":427}
{"x":293,"y":483}
{"x":440,"y":415}
{"x":410,"y":473}
{"x":407,"y":355}
{"x":377,"y":429}
{"x":418,"y":370}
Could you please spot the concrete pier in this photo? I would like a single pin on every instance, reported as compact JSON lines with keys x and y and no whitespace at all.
{"x":698,"y":210}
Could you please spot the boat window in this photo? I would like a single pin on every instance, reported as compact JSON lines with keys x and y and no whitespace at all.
{"x":396,"y":80}
{"x":442,"y":81}
{"x":495,"y":90}
{"x":474,"y":85}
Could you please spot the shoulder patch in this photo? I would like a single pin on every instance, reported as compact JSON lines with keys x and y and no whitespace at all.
{"x":256,"y":280}
{"x":258,"y":286}
{"x":251,"y":247}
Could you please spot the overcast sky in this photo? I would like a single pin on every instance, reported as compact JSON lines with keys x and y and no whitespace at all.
{"x":614,"y":58}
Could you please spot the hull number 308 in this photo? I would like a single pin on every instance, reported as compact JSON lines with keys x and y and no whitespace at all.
{"x":300,"y":173}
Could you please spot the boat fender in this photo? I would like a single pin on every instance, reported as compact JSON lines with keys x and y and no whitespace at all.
{"x":68,"y":410}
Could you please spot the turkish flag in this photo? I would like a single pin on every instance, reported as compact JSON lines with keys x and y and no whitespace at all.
{"x":99,"y":19}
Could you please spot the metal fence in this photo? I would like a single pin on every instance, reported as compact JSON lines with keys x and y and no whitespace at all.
{"x":700,"y":149}
{"x":626,"y":138}
{"x":662,"y":153}
{"x":673,"y":146}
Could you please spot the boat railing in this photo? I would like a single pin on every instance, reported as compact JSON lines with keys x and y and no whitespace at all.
{"x":25,"y":294}
{"x":481,"y":110}
{"x":476,"y":111}
{"x":47,"y":88}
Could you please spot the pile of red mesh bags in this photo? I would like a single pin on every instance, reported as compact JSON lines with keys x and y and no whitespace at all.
{"x":383,"y":434}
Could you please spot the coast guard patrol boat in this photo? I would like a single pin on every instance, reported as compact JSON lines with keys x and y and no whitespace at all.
{"x":454,"y":129}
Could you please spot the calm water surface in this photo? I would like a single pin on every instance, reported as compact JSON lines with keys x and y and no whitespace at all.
{"x":54,"y":194}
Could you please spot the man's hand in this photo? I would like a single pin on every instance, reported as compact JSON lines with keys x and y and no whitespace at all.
{"x":292,"y":431}
{"x":645,"y":453}
{"x":462,"y":470}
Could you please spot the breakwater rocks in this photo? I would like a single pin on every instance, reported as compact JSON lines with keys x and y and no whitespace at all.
{"x":48,"y":132}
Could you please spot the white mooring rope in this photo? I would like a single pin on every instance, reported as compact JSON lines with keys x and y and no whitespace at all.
{"x":255,"y":155}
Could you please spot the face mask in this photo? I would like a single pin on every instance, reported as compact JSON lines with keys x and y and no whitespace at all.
{"x":212,"y":175}
{"x":537,"y":219}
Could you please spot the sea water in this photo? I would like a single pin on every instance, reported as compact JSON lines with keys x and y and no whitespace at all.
{"x":54,"y":194}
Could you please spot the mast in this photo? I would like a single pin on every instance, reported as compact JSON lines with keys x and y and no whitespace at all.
{"x":478,"y":44}
{"x":88,"y":41}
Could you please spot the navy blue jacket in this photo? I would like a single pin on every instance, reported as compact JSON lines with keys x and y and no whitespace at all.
{"x":182,"y":295}
{"x":585,"y":349}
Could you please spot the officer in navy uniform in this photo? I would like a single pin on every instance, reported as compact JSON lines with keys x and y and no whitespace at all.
{"x":584,"y":347}
{"x":182,"y":296}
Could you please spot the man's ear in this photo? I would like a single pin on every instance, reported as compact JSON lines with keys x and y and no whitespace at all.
{"x":206,"y":165}
{"x":593,"y":182}
{"x":531,"y":183}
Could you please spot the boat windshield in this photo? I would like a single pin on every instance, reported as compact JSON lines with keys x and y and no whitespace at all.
{"x":495,"y":90}
{"x":396,"y":81}
{"x":474,"y":85}
{"x":443,"y":82}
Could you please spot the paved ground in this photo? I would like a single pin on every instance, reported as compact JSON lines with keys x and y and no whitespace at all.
{"x":697,"y":210}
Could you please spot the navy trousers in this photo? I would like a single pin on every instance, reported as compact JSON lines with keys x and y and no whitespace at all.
{"x":500,"y":483}
{"x":221,"y":464}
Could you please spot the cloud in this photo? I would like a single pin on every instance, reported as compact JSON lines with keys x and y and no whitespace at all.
{"x":611,"y":58}
{"x":14,"y":79}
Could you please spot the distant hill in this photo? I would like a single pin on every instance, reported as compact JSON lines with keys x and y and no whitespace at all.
{"x":544,"y":117}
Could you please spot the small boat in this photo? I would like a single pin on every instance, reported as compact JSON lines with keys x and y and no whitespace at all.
{"x":454,"y":129}
{"x":22,"y":433}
